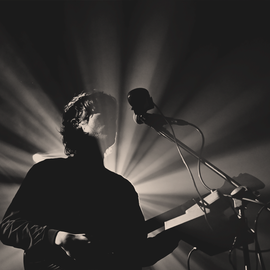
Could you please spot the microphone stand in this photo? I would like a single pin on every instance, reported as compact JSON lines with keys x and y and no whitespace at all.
{"x":158,"y":127}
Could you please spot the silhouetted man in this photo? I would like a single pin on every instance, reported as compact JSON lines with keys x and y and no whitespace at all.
{"x":74,"y":214}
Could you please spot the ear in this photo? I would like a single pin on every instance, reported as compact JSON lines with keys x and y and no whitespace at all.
{"x":84,"y":128}
{"x":83,"y":125}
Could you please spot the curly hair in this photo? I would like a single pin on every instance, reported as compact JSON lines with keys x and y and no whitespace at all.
{"x":78,"y":110}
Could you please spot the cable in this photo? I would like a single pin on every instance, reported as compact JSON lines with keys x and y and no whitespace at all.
{"x":258,"y":252}
{"x":185,"y":163}
{"x":255,"y":228}
{"x":200,"y":156}
{"x":230,"y":253}
{"x":180,"y":153}
{"x":199,"y":168}
{"x":189,"y":256}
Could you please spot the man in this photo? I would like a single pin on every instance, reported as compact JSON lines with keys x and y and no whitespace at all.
{"x":74,"y":214}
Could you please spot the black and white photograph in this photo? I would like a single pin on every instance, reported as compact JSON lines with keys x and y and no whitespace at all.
{"x":134,"y":135}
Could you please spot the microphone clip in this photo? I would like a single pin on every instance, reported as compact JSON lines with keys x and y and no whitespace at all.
{"x":157,"y":121}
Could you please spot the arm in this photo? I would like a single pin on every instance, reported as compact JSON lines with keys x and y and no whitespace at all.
{"x":148,"y":249}
{"x":25,"y":224}
{"x":21,"y":233}
{"x":19,"y":227}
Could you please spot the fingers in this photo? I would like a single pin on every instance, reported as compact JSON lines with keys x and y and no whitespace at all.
{"x":81,"y":236}
{"x":76,"y":245}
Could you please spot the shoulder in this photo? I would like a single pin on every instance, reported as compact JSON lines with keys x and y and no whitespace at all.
{"x":120,"y":182}
{"x":47,"y":165}
{"x":50,"y":162}
{"x":44,"y":172}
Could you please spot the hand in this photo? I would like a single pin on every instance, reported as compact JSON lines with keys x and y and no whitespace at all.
{"x":73,"y":244}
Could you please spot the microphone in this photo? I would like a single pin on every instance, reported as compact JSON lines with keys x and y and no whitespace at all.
{"x":141,"y":102}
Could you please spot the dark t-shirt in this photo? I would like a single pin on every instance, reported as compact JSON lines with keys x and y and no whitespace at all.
{"x":81,"y":196}
{"x":78,"y":197}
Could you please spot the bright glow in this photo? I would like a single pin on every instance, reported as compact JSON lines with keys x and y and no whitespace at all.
{"x":14,"y":161}
{"x":37,"y":158}
{"x":42,"y":156}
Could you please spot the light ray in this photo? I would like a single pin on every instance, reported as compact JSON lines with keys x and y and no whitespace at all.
{"x":27,"y":112}
{"x":14,"y":161}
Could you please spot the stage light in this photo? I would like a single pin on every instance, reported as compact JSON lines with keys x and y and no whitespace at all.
{"x":38,"y":157}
